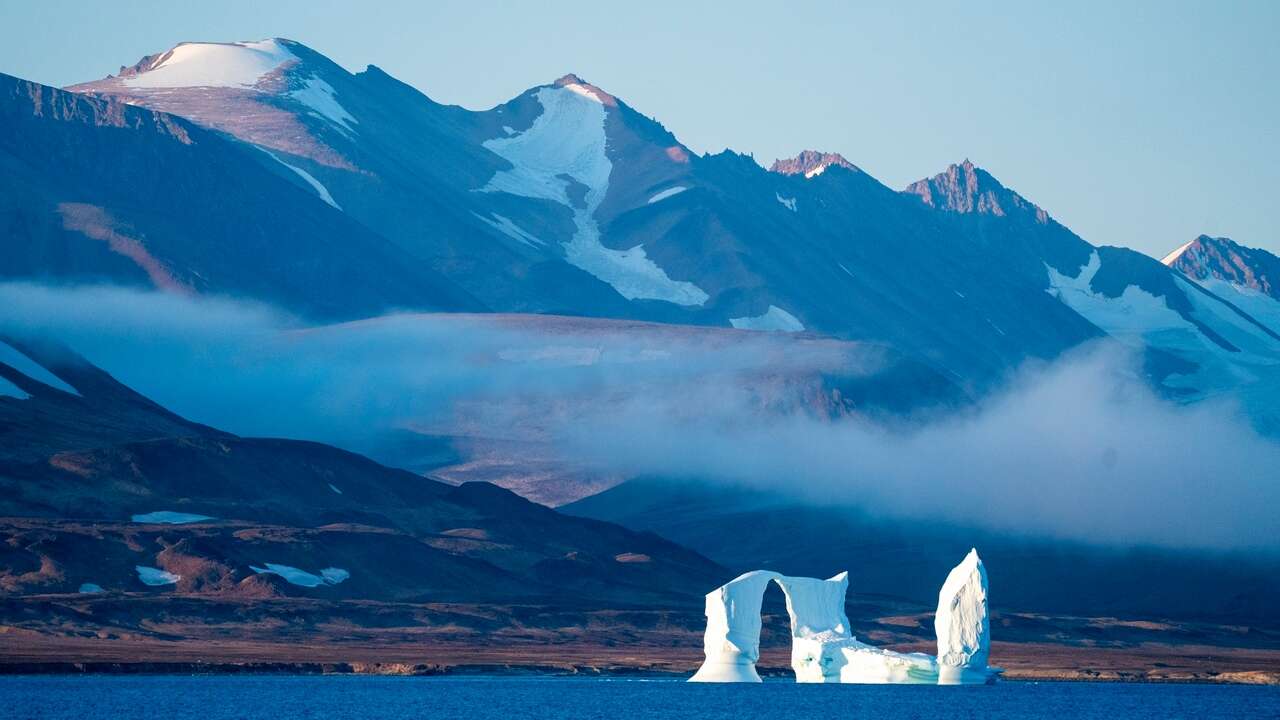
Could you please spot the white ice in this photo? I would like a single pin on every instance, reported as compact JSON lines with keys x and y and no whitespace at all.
{"x":302,"y":578}
{"x":775,"y":318}
{"x":334,"y":488}
{"x":213,"y":65}
{"x":90,"y":588}
{"x":18,"y":360}
{"x":1138,"y":318}
{"x":962,"y":624}
{"x":155,"y":576}
{"x":658,"y":197}
{"x":1264,"y":308}
{"x":321,"y":98}
{"x":788,"y":203}
{"x":823,"y":650}
{"x":168,"y":517}
{"x":1171,"y":257}
{"x":504,"y":225}
{"x":568,"y":139}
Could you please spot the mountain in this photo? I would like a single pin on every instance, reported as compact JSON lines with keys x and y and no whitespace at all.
{"x":1197,"y":343}
{"x":811,"y":162}
{"x":1249,"y":278}
{"x":567,"y":200}
{"x":98,"y":481}
{"x":157,"y":201}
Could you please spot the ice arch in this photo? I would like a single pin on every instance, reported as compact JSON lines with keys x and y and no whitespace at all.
{"x":822,"y":647}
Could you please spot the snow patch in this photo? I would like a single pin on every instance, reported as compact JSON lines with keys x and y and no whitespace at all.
{"x":788,"y":203}
{"x":307,"y":177}
{"x":18,"y":360}
{"x":321,"y":98}
{"x":666,"y":194}
{"x":8,"y":389}
{"x":335,"y":488}
{"x":568,"y":139}
{"x":508,"y":129}
{"x":816,"y":170}
{"x":505,"y":226}
{"x":775,"y":318}
{"x":90,"y":588}
{"x":155,"y":577}
{"x":302,"y":578}
{"x":1173,"y":256}
{"x":1138,"y":319}
{"x":168,"y":517}
{"x":235,"y":65}
{"x":1264,"y":308}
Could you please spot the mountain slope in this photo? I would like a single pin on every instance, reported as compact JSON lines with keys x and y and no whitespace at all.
{"x":156,"y":201}
{"x":1197,"y":343}
{"x":1249,"y":278}
{"x":97,"y":480}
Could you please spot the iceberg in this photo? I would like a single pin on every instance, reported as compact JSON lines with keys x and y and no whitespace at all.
{"x":823,"y":650}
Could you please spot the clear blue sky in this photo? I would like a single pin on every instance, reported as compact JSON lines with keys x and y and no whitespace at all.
{"x":1134,"y":123}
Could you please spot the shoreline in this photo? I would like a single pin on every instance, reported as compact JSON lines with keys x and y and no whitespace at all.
{"x":548,"y":671}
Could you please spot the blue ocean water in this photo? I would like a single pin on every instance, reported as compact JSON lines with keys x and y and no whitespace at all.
{"x":479,"y":698}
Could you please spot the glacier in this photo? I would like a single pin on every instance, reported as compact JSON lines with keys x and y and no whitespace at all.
{"x":824,"y":650}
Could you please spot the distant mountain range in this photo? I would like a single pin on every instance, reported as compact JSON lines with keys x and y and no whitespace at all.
{"x":264,"y":171}
{"x":563,"y":200}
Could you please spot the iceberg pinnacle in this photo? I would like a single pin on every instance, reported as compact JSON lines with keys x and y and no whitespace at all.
{"x":823,"y":650}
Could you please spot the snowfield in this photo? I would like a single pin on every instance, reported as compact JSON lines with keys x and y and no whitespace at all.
{"x":568,"y":139}
{"x":302,"y":578}
{"x":234,"y":65}
{"x":1138,"y":318}
{"x":168,"y":517}
{"x":659,"y":197}
{"x":155,"y":577}
{"x":321,"y":98}
{"x":775,"y":318}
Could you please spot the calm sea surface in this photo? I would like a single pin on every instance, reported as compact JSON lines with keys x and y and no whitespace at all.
{"x":477,"y":698}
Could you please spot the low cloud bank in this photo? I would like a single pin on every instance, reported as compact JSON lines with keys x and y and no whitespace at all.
{"x":1078,"y":449}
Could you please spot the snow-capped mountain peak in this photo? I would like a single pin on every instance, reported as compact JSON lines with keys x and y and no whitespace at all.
{"x":811,"y":163}
{"x":1208,"y":259}
{"x":209,"y":64}
{"x":576,"y":84}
